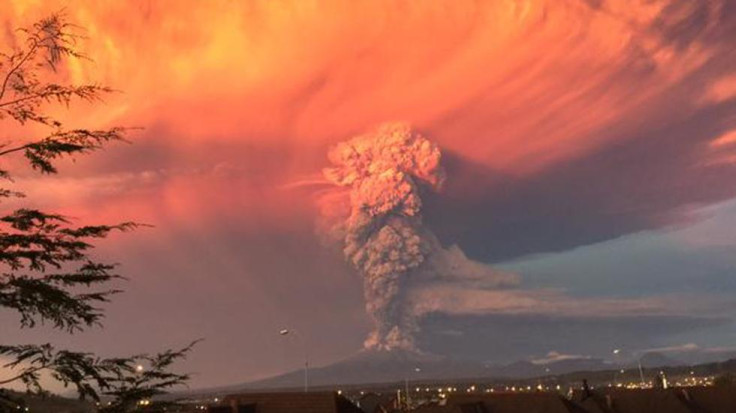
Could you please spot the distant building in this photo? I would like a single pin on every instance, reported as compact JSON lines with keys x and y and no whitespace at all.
{"x":312,"y":402}
{"x":378,"y":403}
{"x":536,"y":402}
{"x":673,"y":400}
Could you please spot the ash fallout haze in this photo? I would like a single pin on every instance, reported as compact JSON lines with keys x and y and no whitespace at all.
{"x":482,"y":181}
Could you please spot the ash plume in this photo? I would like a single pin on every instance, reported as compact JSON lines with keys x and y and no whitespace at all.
{"x":378,"y":218}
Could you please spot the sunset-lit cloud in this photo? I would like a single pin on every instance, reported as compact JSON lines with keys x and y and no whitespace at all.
{"x":554,"y":356}
{"x":306,"y":73}
{"x":518,"y":88}
{"x":722,"y":89}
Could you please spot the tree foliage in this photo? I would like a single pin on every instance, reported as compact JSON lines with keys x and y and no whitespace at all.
{"x":48,"y":275}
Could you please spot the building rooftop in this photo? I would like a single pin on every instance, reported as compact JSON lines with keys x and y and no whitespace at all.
{"x":285,"y":402}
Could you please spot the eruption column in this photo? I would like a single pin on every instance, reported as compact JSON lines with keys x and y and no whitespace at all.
{"x":384,"y":172}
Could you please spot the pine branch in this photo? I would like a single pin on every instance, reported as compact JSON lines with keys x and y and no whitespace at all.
{"x":60,"y":93}
{"x":52,"y":298}
{"x":42,"y":153}
{"x":128,"y":380}
{"x":49,"y":276}
{"x":23,"y":58}
{"x":36,"y":241}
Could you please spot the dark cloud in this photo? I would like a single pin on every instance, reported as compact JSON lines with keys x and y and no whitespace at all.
{"x":652,"y":169}
{"x":506,"y":338}
{"x":683,"y":21}
{"x":649,"y":180}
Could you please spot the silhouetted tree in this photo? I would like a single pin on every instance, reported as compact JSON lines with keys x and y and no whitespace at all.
{"x":48,"y":275}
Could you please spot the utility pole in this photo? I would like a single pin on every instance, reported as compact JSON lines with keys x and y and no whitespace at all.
{"x":286,"y":332}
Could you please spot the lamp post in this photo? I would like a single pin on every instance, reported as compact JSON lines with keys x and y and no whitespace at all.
{"x":287,"y":332}
{"x":406,"y":387}
{"x":638,"y":362}
{"x":616,"y":352}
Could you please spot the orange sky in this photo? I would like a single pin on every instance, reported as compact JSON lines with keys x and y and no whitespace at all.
{"x":516,"y":86}
{"x":309,"y":73}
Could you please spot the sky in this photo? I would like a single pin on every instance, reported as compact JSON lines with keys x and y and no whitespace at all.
{"x":589,"y":148}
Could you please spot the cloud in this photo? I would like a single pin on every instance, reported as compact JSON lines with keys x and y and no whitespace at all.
{"x":653,"y":180}
{"x":456,"y":298}
{"x":720,"y":350}
{"x":683,"y":348}
{"x":502,"y":338}
{"x":479,"y":84}
{"x":554,"y":356}
{"x":689,"y":348}
{"x":721,"y":89}
{"x":544,"y":134}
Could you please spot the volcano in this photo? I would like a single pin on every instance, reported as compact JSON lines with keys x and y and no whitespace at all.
{"x":381,"y":366}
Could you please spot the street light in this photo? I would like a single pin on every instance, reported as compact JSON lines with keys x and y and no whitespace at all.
{"x":286,"y":332}
{"x":406,"y":387}
{"x":641,"y":372}
{"x":616,"y":352}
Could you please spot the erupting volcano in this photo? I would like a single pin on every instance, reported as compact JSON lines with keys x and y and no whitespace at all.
{"x":379,"y":222}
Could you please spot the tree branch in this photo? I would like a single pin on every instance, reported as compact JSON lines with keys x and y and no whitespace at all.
{"x":14,"y":69}
{"x":19,"y":148}
{"x":25,"y":373}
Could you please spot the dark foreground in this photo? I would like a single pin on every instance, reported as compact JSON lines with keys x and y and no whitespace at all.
{"x":693,"y":399}
{"x":674,"y":400}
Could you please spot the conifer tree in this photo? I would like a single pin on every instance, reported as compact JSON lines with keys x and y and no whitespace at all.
{"x":48,"y":275}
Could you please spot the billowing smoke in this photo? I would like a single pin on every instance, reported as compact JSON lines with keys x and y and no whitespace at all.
{"x":385,"y":172}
